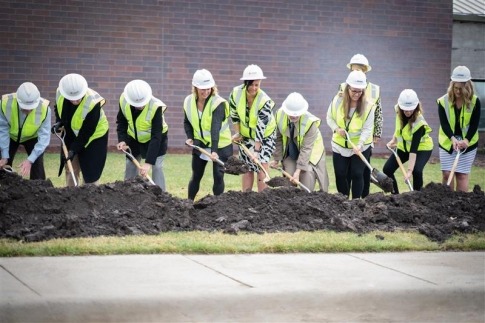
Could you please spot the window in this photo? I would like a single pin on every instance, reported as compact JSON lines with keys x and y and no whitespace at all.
{"x":480,"y":92}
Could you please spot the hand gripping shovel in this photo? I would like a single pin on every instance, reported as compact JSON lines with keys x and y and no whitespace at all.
{"x":455,"y":164}
{"x":127,"y":151}
{"x":250,"y":154}
{"x":290,"y":177}
{"x":401,"y":166}
{"x":377,"y":177}
{"x":233,"y":166}
{"x":61,"y":135}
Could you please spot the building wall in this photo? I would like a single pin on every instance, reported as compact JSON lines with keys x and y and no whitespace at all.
{"x":301,"y":45}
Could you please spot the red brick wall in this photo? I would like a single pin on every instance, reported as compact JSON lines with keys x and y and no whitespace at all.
{"x":301,"y":45}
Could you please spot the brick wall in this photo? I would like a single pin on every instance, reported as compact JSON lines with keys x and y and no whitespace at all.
{"x":301,"y":45}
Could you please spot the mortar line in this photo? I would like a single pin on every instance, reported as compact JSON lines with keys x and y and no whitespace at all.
{"x":398,"y":271}
{"x":220,"y":273}
{"x":20,"y":281}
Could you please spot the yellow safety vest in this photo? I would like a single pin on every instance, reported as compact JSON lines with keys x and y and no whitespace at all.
{"x":144,"y":121}
{"x":465,"y":117}
{"x":304,"y":123}
{"x":404,"y":136}
{"x":354,"y":127}
{"x":32,"y":122}
{"x":202,"y":125}
{"x":88,"y":102}
{"x":248,"y":129}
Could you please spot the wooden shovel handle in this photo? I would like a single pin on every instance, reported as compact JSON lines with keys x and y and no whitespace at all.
{"x":205,"y":152}
{"x":291,"y":177}
{"x":453,"y":168}
{"x":250,"y":154}
{"x":69,"y":163}
{"x":401,"y":166}
{"x":137,"y":164}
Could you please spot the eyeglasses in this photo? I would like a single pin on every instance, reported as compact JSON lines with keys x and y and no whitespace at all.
{"x":355,"y":91}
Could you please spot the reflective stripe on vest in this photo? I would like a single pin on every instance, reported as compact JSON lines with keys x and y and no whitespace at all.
{"x":260,"y":100}
{"x":30,"y":127}
{"x":87,"y":103}
{"x":202,"y":125}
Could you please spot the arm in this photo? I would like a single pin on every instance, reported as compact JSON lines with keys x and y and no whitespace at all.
{"x":474,"y":122}
{"x":264,"y":116}
{"x":445,"y":125}
{"x":378,"y":121}
{"x":156,"y":138}
{"x":4,"y":138}
{"x":218,"y":117}
{"x":121,"y":126}
{"x":189,"y":130}
{"x":87,"y":130}
{"x":43,"y":138}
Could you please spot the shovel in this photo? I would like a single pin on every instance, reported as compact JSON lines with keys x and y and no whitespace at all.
{"x":455,"y":164}
{"x":250,"y":154}
{"x":205,"y":152}
{"x":401,"y":166}
{"x":377,"y":177}
{"x":290,"y":177}
{"x":127,"y":151}
{"x":61,"y":135}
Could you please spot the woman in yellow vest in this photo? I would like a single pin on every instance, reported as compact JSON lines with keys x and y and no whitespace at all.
{"x":79,"y":110}
{"x":459,"y":112}
{"x":206,"y":125}
{"x":299,"y":143}
{"x":25,"y":119}
{"x":254,"y":124}
{"x":141,"y":126}
{"x":411,"y":137}
{"x":351,"y":112}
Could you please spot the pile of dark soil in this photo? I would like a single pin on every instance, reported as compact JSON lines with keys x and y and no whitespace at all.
{"x":36,"y":211}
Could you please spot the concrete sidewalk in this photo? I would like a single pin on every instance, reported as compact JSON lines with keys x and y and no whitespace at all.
{"x":405,"y":287}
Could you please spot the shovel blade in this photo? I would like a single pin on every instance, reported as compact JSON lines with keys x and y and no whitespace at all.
{"x":382,"y":180}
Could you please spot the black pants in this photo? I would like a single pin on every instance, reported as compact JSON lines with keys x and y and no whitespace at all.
{"x":391,"y":166}
{"x":366,"y":189}
{"x":198,"y":169}
{"x":353,"y":165}
{"x":37,"y":170}
{"x":93,"y":158}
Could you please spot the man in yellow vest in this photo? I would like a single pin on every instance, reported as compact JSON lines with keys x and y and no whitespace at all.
{"x":141,"y":126}
{"x":25,"y":119}
{"x":79,"y":110}
{"x":299,"y":143}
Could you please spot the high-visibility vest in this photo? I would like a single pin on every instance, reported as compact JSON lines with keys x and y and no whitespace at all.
{"x":404,"y":135}
{"x":143,"y":124}
{"x":304,"y":123}
{"x":87,"y":104}
{"x":354,"y":127}
{"x":33,"y":121}
{"x":464,"y":119}
{"x":202,"y":124}
{"x":248,"y":129}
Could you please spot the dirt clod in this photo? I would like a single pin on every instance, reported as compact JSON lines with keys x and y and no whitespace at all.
{"x":36,"y":211}
{"x":235,"y":166}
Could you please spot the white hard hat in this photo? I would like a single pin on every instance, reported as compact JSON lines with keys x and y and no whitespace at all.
{"x":461,"y":74}
{"x":408,"y":100}
{"x":253,"y":72}
{"x":295,"y":105}
{"x":203,"y":79}
{"x":357,"y":80}
{"x":137,"y":93}
{"x":73,"y":86}
{"x":28,"y":96}
{"x":361,"y":60}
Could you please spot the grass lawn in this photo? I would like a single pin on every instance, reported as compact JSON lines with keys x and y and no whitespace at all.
{"x":178,"y":172}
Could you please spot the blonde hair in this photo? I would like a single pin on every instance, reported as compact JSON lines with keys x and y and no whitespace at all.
{"x":346,"y":102}
{"x":467,"y":91}
{"x":416,"y":112}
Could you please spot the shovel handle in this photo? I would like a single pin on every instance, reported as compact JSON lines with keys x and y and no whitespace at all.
{"x":250,"y":154}
{"x":401,"y":166}
{"x":359,"y":153}
{"x":61,"y":134}
{"x":205,"y":152}
{"x":291,"y":178}
{"x":453,"y":168}
{"x":137,"y":164}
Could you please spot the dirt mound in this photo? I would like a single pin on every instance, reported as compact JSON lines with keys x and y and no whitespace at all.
{"x":36,"y":211}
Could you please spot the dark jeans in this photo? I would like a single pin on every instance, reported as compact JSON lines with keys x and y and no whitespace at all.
{"x":366,"y":189}
{"x":198,"y":169}
{"x":37,"y":170}
{"x":391,"y":166}
{"x":351,"y":166}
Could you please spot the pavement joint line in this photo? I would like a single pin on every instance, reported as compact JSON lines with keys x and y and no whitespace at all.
{"x":398,"y":271}
{"x":220,"y":273}
{"x":20,"y":281}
